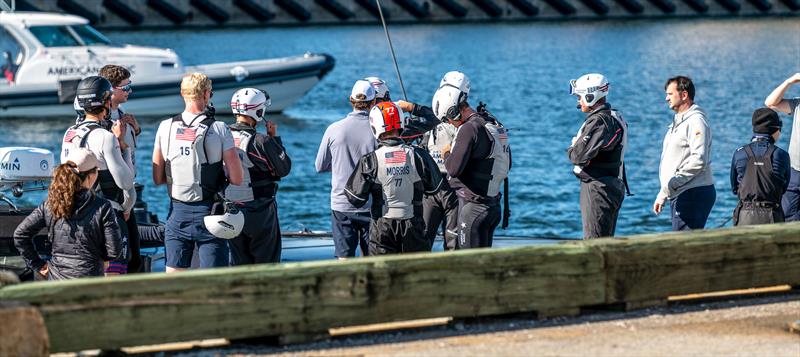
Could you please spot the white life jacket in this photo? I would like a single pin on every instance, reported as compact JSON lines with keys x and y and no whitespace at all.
{"x":439,"y":138}
{"x":397,"y":175}
{"x":243,"y":192}
{"x":500,"y":154}
{"x":190,"y":177}
{"x":76,"y":137}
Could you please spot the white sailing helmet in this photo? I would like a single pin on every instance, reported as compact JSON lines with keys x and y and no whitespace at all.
{"x":381,"y":89}
{"x":227,"y":225}
{"x":252,"y":102}
{"x":591,"y":87}
{"x":456,"y":79}
{"x":386,"y":116}
{"x":445,"y":103}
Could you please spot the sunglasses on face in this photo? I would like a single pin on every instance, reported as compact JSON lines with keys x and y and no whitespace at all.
{"x":125,"y":88}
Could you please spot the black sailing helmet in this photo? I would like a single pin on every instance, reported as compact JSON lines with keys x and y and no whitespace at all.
{"x":93,"y":91}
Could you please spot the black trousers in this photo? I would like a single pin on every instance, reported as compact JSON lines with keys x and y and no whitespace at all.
{"x":260,"y":240}
{"x":135,"y":263}
{"x":441,"y":210}
{"x":391,"y":236}
{"x":601,"y":200}
{"x":476,"y":223}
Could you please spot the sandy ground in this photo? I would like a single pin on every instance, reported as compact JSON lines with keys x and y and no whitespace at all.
{"x":749,"y":326}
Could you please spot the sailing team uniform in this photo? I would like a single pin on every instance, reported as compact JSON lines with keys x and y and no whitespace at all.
{"x":265,"y":162}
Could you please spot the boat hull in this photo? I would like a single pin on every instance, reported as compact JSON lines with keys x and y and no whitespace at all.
{"x":286,"y":83}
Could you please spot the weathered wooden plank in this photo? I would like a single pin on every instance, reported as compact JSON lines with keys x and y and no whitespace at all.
{"x":22,"y":331}
{"x":298,"y":298}
{"x":656,"y":266}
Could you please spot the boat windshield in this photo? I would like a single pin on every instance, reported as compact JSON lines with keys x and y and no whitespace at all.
{"x":90,"y":36}
{"x":68,"y":36}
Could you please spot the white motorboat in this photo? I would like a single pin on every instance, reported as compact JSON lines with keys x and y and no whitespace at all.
{"x":44,"y":55}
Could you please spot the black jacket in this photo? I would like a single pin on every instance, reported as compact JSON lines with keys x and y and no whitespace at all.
{"x":598,"y":149}
{"x":467,"y":164}
{"x":80,"y":244}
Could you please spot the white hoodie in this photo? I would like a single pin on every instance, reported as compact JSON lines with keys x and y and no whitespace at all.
{"x":686,"y":154}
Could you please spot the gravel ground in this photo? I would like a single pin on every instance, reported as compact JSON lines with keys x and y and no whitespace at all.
{"x":755,"y":326}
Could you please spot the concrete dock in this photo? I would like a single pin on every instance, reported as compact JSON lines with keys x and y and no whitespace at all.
{"x":129,"y":14}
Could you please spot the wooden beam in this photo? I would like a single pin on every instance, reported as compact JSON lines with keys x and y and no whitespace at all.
{"x":306,"y":297}
{"x":656,"y":266}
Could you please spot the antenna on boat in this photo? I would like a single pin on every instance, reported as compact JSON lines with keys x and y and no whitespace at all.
{"x":391,"y":48}
{"x":4,"y":6}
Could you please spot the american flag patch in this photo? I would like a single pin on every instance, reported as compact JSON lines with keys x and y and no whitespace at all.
{"x":187,"y":134}
{"x":395,"y":157}
{"x":70,"y":135}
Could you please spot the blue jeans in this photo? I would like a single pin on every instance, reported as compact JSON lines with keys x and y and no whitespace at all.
{"x":350,"y":231}
{"x":791,"y":198}
{"x":691,"y":208}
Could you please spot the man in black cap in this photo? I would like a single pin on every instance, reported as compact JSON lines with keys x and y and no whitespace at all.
{"x":760,"y":173}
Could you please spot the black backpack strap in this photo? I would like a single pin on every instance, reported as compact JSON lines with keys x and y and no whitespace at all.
{"x":506,"y":209}
{"x":92,"y":126}
{"x":749,"y":151}
{"x":625,"y":181}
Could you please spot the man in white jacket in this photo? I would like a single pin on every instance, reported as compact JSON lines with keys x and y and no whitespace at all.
{"x":685,"y":170}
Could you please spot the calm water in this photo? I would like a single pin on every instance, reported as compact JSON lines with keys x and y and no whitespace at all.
{"x":522,"y":71}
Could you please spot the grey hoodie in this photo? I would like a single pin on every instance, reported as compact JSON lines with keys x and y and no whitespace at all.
{"x":686,"y":154}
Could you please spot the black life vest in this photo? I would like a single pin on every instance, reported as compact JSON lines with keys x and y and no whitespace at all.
{"x":758,"y":183}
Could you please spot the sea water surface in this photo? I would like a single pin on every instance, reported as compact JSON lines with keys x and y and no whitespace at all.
{"x":522,"y":71}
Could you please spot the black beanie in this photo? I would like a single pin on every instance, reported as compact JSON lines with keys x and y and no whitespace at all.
{"x":766,"y":121}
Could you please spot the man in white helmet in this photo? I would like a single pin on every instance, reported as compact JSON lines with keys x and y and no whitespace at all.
{"x":342,"y":145}
{"x":441,"y":209}
{"x":597,"y":153}
{"x":188,"y":155}
{"x":685,"y":170}
{"x":477,"y":163}
{"x":265,"y":162}
{"x":395,"y":176}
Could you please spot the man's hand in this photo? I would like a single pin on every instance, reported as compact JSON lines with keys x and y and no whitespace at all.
{"x":658,"y":205}
{"x":272,"y":128}
{"x":44,"y":270}
{"x":405,"y":106}
{"x":119,"y":128}
{"x":131,"y":120}
{"x":794,"y":79}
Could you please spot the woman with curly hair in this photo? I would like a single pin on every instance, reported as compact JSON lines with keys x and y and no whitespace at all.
{"x":82,"y":228}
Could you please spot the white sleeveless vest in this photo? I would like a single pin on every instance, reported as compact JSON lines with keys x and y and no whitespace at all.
{"x":397,"y":175}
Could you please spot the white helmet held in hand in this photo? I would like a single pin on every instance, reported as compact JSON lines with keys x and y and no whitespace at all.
{"x":591,"y":87}
{"x":386,"y":116}
{"x":446,"y":101}
{"x":456,"y":79}
{"x":381,"y":89}
{"x":227,"y":225}
{"x":252,"y":102}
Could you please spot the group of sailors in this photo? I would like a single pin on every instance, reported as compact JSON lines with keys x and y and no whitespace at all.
{"x":764,"y":177}
{"x":400,"y":172}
